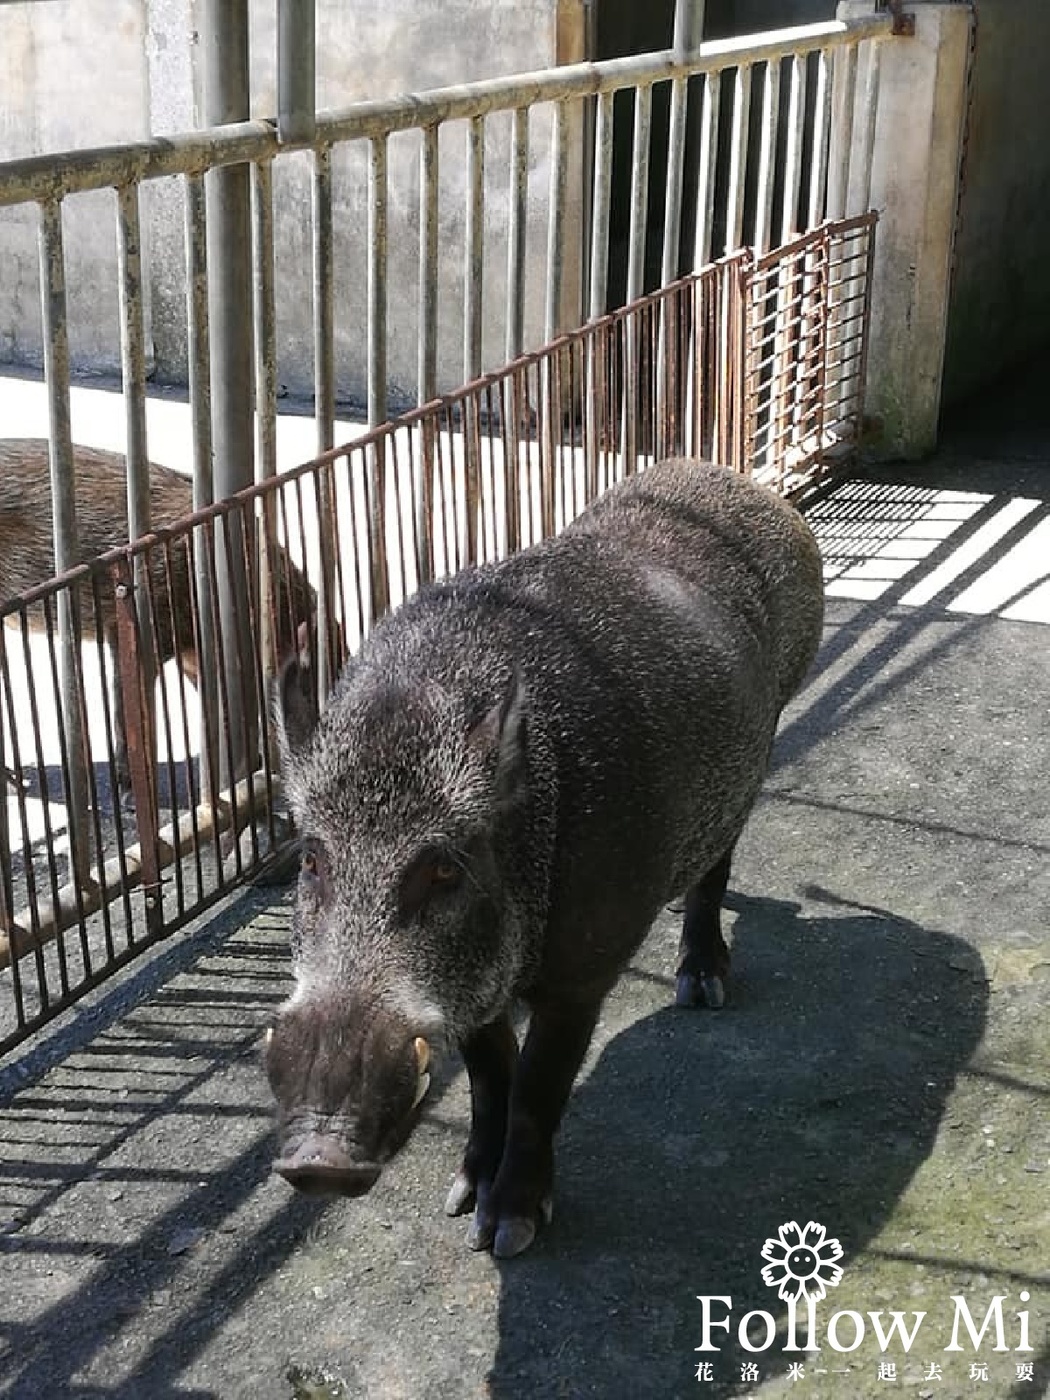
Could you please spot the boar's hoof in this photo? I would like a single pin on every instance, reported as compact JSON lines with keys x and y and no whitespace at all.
{"x":509,"y":1235}
{"x":513,"y":1236}
{"x":699,"y":991}
{"x":461,"y":1197}
{"x":320,"y":1167}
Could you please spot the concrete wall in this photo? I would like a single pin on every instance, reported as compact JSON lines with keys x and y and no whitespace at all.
{"x":52,"y":71}
{"x":57,"y":58}
{"x":1000,"y":302}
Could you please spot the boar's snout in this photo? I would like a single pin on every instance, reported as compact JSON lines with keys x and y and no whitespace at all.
{"x":320,"y":1167}
{"x":348,"y":1079}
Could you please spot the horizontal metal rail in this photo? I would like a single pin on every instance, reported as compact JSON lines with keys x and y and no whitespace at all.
{"x":93,"y":168}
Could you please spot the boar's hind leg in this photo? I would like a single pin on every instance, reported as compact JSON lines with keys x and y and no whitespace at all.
{"x":509,"y":1208}
{"x":703,"y":958}
{"x":490,"y":1055}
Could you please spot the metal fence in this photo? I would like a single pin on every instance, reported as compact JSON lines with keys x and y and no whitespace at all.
{"x":755,"y":362}
{"x":758,"y":363}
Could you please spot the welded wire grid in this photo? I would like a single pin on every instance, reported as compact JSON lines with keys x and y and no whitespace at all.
{"x":470,"y":477}
{"x":808,"y":311}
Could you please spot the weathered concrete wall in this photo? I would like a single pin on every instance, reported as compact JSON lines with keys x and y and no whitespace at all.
{"x":1000,"y":303}
{"x":72,"y":73}
{"x":56,"y":59}
{"x":914,"y":187}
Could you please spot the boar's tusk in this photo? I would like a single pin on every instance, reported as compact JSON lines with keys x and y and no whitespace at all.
{"x":421,"y":1089}
{"x":422,"y":1050}
{"x":268,"y":1036}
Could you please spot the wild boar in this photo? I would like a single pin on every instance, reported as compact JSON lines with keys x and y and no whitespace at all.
{"x":27,"y":555}
{"x":519,"y":769}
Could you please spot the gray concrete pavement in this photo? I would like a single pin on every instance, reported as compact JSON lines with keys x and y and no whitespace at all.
{"x":883,"y":1069}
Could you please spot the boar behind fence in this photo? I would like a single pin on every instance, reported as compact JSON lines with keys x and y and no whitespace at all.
{"x":758,"y":365}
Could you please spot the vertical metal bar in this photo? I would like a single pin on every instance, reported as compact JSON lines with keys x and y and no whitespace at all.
{"x":199,"y":362}
{"x":226,"y":99}
{"x":675,"y":165}
{"x":66,"y":544}
{"x":266,"y":412}
{"x":377,"y":332}
{"x":643,"y":103}
{"x":787,"y":336}
{"x":427,"y":374}
{"x":599,"y":274}
{"x":428,"y":265}
{"x":133,"y":359}
{"x":474,"y":267}
{"x":132,"y":611}
{"x":377,"y":269}
{"x":324,"y":387}
{"x":869,"y":112}
{"x":844,"y":93}
{"x":551,"y":406}
{"x":474,"y":255}
{"x":844,"y":102}
{"x":738,"y":158}
{"x":688,"y":33}
{"x":556,"y":225}
{"x":28,"y":865}
{"x":133,"y":372}
{"x":49,"y":835}
{"x":688,"y":26}
{"x":818,"y":173}
{"x":705,"y":185}
{"x":519,"y":186}
{"x":296,"y":65}
{"x":324,"y":297}
{"x":603,"y":153}
{"x":767,"y":156}
{"x":793,"y":148}
{"x":518,"y":197}
{"x":643,"y":106}
{"x":703,"y":237}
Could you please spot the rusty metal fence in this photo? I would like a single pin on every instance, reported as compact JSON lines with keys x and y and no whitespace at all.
{"x":756,"y":362}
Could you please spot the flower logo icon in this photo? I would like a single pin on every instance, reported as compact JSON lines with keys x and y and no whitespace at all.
{"x":802,"y":1261}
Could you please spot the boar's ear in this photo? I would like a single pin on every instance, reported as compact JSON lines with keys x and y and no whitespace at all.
{"x":503,"y":730}
{"x":295,"y":700}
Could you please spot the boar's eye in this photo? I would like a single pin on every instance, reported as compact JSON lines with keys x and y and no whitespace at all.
{"x":431,"y":873}
{"x":445,"y":871}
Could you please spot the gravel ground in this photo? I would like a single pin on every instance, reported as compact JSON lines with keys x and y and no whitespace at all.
{"x":883,"y":1068}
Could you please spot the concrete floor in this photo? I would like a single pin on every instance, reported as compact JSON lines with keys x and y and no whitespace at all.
{"x":883,"y":1067}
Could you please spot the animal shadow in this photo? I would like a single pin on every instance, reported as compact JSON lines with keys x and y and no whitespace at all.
{"x":816,"y":1095}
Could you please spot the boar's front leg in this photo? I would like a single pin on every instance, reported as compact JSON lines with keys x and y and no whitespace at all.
{"x":490,"y":1055}
{"x":509,"y":1207}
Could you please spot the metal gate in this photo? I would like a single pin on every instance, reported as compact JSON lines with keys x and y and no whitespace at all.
{"x":758,"y":363}
{"x":757,"y":359}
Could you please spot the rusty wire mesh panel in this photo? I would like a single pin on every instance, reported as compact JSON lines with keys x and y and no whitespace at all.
{"x":759,"y":365}
{"x":807,"y":313}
